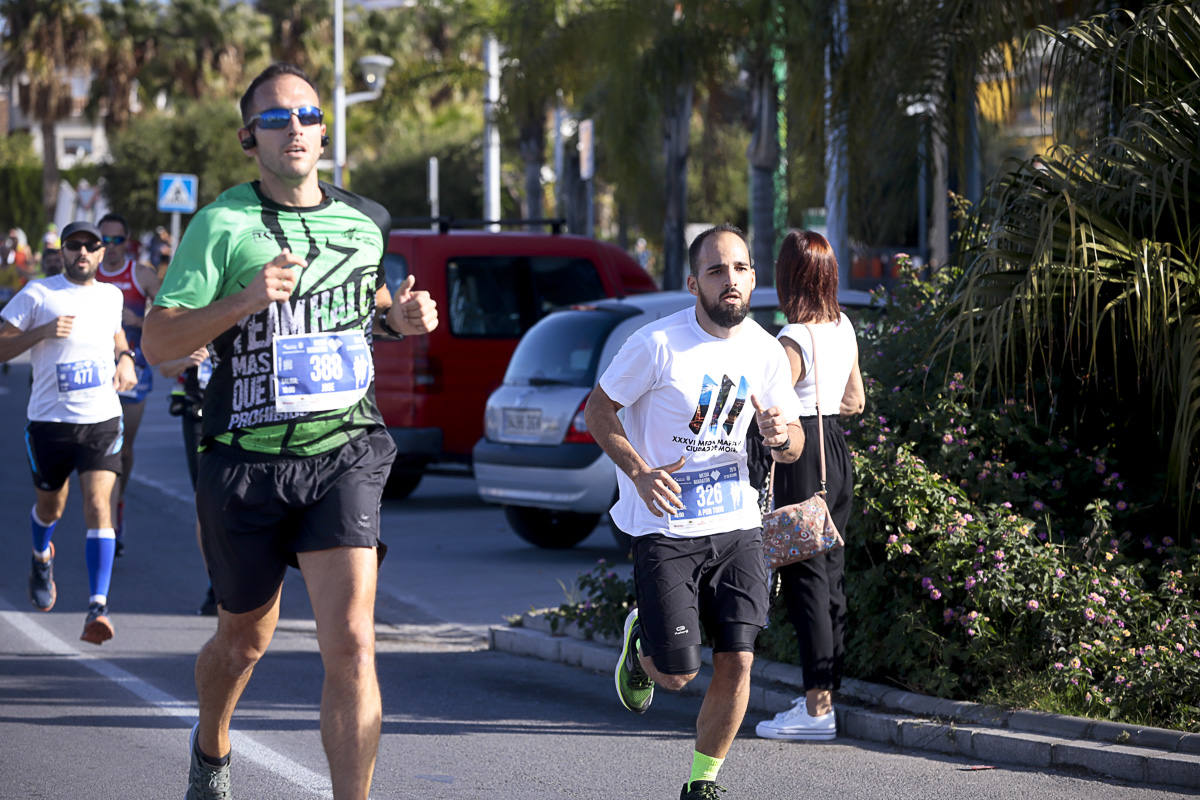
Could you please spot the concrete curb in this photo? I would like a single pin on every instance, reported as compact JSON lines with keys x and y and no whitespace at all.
{"x":912,"y":721}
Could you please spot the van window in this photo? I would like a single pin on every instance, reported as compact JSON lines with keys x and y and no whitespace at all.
{"x":502,"y":296}
{"x":395,"y":270}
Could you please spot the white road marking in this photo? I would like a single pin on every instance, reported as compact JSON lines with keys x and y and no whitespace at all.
{"x":165,"y":705}
{"x":169,"y":491}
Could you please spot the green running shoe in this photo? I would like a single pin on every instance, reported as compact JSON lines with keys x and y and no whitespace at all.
{"x":634,"y":687}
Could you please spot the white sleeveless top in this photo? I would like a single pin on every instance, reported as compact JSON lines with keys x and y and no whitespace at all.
{"x":836,"y":351}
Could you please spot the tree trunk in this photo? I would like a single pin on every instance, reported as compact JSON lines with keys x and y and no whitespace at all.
{"x":763,"y":155}
{"x":49,"y":168}
{"x":837,"y":179}
{"x":677,"y":117}
{"x":532,"y":145}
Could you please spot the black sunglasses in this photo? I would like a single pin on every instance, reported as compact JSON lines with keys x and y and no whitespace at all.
{"x":113,"y":239}
{"x":77,"y":245}
{"x":275,"y":118}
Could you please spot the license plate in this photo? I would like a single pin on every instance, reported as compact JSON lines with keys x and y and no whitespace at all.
{"x":522,"y":420}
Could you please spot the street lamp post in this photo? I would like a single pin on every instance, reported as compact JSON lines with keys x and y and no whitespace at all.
{"x":374,"y":69}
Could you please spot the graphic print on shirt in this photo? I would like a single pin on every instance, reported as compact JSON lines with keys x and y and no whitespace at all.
{"x":310,"y":310}
{"x":711,"y":439}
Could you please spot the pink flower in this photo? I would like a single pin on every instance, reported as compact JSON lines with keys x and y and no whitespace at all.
{"x":893,"y":539}
{"x":1058,"y":665}
{"x":969,"y":582}
{"x":936,"y":595}
{"x":1032,"y":605}
{"x":954,"y":501}
{"x":905,"y":548}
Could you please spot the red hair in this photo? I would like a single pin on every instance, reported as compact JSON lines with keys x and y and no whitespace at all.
{"x":806,"y":278}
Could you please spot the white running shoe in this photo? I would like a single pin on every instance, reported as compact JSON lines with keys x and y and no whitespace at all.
{"x":796,"y":724}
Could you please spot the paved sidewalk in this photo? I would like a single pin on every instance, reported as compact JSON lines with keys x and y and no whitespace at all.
{"x":876,"y":713}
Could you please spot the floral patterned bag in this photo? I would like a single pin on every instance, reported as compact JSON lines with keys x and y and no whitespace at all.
{"x":800,"y":530}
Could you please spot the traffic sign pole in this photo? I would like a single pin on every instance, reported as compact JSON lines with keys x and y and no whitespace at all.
{"x":174,"y":231}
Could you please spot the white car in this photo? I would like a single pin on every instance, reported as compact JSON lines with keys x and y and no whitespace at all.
{"x":536,"y":457}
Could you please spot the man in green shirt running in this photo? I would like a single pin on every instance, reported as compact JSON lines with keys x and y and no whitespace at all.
{"x":282,"y":276}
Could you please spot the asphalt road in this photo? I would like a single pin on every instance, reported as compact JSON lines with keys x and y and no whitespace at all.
{"x":460,"y":721}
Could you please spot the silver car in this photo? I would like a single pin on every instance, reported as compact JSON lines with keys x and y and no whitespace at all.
{"x":536,"y":458}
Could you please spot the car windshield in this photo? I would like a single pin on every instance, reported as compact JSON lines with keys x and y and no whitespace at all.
{"x":562,"y":349}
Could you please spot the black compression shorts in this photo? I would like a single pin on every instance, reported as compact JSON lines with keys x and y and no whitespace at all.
{"x":717,"y":581}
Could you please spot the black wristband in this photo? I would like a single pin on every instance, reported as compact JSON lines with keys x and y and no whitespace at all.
{"x":130,"y":353}
{"x":781,"y":447}
{"x":388,"y":329}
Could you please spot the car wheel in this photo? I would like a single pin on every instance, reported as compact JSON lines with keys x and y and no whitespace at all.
{"x":402,"y":481}
{"x":553,"y":530}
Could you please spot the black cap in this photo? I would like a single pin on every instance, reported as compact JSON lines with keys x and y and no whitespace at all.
{"x":81,"y":227}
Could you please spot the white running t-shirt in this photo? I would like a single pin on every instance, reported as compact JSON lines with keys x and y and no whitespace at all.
{"x":686,"y":392}
{"x":72,"y":377}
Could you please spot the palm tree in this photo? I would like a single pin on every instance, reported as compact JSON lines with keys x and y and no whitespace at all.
{"x":130,"y":43}
{"x":207,"y":48}
{"x":1081,"y":269}
{"x":646,"y":61}
{"x":45,"y":41}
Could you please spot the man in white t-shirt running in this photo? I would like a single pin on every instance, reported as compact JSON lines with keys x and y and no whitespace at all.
{"x":72,"y":325}
{"x":687,"y":384}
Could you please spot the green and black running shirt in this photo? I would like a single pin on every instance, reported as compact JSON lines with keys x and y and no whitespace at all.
{"x":226,"y":244}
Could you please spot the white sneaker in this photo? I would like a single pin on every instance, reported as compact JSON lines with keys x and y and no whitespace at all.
{"x":796,"y":723}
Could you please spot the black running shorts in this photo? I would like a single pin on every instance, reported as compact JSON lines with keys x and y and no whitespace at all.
{"x":258,"y":511}
{"x":717,"y":581}
{"x":55,"y":449}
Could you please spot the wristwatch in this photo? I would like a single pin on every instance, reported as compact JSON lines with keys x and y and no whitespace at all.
{"x":388,"y":329}
{"x":782,"y":447}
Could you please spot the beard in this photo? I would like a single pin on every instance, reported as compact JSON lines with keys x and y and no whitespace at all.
{"x":79,"y":273}
{"x":723,"y":314}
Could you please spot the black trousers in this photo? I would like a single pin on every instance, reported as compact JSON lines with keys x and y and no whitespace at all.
{"x":814,"y":590}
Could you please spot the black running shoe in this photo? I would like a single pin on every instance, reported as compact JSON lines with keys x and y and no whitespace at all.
{"x":701,"y":790}
{"x":42,"y":591}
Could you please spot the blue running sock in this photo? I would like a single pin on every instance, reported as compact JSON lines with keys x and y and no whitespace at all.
{"x":101,"y":546}
{"x":41,"y":533}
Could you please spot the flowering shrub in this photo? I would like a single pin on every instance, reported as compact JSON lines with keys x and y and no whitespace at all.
{"x":984,"y":550}
{"x":607,"y":600}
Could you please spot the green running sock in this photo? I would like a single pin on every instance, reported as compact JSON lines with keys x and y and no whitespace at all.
{"x":704,"y":768}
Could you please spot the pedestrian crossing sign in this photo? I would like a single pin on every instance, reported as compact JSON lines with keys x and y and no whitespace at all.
{"x":177,"y":192}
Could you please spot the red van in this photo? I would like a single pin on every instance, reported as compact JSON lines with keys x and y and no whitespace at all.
{"x":490,"y":288}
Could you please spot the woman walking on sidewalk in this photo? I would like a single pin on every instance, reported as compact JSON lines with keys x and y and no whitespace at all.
{"x":806,"y":278}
